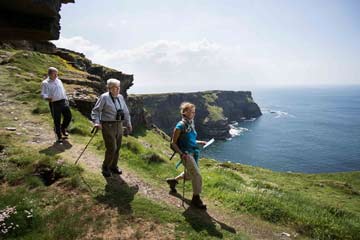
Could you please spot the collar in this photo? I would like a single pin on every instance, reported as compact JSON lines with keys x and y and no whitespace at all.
{"x":50,"y":80}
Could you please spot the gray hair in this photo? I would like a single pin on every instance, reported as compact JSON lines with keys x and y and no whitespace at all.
{"x":52,"y":69}
{"x":112,"y":82}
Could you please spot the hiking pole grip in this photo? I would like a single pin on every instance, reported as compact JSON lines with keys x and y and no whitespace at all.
{"x":94,"y":130}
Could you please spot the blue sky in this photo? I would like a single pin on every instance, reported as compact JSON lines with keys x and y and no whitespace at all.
{"x":231,"y":45}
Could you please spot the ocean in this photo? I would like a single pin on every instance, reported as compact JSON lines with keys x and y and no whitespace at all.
{"x":308,"y":130}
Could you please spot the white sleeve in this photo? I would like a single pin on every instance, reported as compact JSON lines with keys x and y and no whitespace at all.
{"x":96,"y":111}
{"x":126,"y":112}
{"x":44,"y":90}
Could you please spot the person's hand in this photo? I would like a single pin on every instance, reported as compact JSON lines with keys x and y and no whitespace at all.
{"x":201,"y":142}
{"x":98,"y":125}
{"x":185,"y":156}
{"x":49,"y":99}
{"x":129,"y":129}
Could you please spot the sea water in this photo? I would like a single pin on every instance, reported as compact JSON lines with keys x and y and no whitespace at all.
{"x":310,"y":130}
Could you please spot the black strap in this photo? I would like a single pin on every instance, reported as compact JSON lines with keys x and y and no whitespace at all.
{"x":187,"y":126}
{"x":114,"y":102}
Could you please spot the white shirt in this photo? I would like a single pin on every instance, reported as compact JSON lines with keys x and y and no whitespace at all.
{"x":53,"y":89}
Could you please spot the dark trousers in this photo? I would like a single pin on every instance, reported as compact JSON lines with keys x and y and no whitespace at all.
{"x":57,"y":109}
{"x":112,"y":133}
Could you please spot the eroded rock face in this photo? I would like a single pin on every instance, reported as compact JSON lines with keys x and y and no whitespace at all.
{"x":30,"y":19}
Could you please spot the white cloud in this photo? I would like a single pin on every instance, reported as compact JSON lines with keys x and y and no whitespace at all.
{"x":203,"y":64}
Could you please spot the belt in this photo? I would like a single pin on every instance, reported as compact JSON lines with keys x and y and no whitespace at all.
{"x":110,"y":122}
{"x":59,"y":101}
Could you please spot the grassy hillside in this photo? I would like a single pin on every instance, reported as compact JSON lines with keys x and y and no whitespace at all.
{"x":43,"y":195}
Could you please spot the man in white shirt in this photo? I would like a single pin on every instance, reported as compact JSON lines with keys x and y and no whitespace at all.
{"x":53,"y":90}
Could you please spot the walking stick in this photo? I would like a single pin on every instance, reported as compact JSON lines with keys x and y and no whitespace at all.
{"x":183,"y":198}
{"x":93,"y":131}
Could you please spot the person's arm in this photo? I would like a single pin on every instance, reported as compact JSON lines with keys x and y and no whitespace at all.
{"x":96,"y":111}
{"x":200,"y":142}
{"x":45,"y":92}
{"x":127,"y":117}
{"x":175,"y":137}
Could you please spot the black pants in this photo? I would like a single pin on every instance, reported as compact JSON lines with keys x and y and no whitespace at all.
{"x":57,"y":108}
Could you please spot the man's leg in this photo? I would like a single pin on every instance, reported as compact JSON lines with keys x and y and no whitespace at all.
{"x":56,"y":112}
{"x":67,"y":119}
{"x":119,"y":133}
{"x":108,"y":133}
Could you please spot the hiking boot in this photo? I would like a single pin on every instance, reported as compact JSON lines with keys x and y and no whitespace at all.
{"x":59,"y":140}
{"x":116,"y":170}
{"x":64,"y":132}
{"x":196,"y":202}
{"x":106,"y":172}
{"x":172,"y":184}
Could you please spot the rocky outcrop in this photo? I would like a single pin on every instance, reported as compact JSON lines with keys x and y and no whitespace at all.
{"x":106,"y":73}
{"x":84,"y":83}
{"x":37,"y":46}
{"x":215,"y":110}
{"x":30,"y":19}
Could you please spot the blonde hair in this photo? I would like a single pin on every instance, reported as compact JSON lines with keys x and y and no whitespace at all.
{"x":112,"y":82}
{"x":186,"y":106}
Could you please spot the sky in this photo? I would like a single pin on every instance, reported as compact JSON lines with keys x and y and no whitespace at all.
{"x":193,"y":45}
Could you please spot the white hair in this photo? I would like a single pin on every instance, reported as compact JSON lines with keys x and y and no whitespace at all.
{"x":52,"y":69}
{"x":112,"y":82}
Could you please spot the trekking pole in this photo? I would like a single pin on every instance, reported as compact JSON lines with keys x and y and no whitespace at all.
{"x":183,"y":198}
{"x":93,"y":131}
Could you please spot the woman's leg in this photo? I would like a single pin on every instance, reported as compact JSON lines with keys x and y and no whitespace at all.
{"x":192,"y":172}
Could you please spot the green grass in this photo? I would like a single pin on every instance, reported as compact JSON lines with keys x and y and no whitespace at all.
{"x":210,"y":98}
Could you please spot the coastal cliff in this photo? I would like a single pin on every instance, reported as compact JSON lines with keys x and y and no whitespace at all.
{"x":215,"y":110}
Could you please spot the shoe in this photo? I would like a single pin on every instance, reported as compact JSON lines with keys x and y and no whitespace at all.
{"x":172,"y":184}
{"x":60,"y":141}
{"x":196,"y":202}
{"x":106,"y":173}
{"x":64,"y":132}
{"x":116,"y":170}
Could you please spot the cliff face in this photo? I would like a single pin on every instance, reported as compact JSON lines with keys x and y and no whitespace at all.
{"x":30,"y":19}
{"x":214,"y":110}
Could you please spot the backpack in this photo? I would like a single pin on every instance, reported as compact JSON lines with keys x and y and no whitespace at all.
{"x":183,"y":131}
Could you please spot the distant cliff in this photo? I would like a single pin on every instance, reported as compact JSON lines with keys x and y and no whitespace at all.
{"x":214,"y":110}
